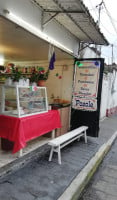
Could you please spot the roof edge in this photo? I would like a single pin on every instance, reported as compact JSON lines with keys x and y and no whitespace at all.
{"x":92,"y":21}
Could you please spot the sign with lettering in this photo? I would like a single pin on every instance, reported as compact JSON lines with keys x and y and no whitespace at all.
{"x":86,"y":79}
{"x":86,"y":94}
{"x":84,"y":104}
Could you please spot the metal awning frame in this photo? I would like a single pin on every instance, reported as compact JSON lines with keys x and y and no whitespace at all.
{"x":44,"y":23}
{"x":56,"y":12}
{"x":61,"y":10}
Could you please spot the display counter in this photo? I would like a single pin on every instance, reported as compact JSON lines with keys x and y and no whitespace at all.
{"x":21,"y":101}
{"x":22,"y":130}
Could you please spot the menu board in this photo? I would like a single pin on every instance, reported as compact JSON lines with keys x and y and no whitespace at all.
{"x":85,"y":88}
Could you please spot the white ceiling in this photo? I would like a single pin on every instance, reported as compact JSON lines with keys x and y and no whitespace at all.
{"x":17,"y":44}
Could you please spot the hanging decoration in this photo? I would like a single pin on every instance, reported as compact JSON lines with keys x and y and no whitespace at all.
{"x":51,"y":57}
{"x":58,"y":76}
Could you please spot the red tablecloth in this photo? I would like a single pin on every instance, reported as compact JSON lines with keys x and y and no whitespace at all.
{"x":21,"y":130}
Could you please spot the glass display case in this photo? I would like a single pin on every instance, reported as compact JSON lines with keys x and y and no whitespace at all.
{"x":21,"y":101}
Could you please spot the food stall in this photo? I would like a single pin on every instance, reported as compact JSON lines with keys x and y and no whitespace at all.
{"x":25,"y":115}
{"x":56,"y":94}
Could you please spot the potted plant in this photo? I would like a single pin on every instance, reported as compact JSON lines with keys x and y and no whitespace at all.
{"x":16,"y":75}
{"x":39,"y":76}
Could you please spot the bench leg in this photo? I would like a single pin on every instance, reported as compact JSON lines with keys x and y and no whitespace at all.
{"x":51,"y":153}
{"x":53,"y":134}
{"x":20,"y":152}
{"x":59,"y":155}
{"x":85,"y":136}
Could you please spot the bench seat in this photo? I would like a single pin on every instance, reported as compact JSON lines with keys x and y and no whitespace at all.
{"x":58,"y":143}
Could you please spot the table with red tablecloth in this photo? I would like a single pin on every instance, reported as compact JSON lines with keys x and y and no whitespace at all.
{"x":21,"y":130}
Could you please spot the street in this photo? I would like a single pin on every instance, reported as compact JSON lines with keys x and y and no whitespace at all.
{"x":103,"y":185}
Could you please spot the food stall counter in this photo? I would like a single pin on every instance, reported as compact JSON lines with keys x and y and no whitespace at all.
{"x":22,"y":130}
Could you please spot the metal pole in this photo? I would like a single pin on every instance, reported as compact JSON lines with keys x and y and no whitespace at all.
{"x":99,"y":12}
{"x":112,"y":53}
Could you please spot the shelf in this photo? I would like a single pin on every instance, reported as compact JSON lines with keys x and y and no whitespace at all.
{"x":11,"y":74}
{"x":35,"y":100}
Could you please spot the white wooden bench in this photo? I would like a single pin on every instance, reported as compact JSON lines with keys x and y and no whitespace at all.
{"x":58,"y":143}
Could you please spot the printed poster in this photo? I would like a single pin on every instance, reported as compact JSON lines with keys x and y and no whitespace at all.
{"x":86,"y":85}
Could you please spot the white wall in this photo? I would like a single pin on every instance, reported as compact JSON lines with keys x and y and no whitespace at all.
{"x":112,"y":93}
{"x":104,"y":97}
{"x":61,"y":88}
{"x":88,"y":53}
{"x":31,"y":14}
{"x":109,"y":95}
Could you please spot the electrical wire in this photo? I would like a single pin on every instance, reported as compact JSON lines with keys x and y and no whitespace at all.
{"x":109,"y":15}
{"x":112,"y":21}
{"x":113,"y":24}
{"x":92,"y":8}
{"x":107,"y":30}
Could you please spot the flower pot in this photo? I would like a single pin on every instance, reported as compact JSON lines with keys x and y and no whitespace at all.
{"x":41,"y":83}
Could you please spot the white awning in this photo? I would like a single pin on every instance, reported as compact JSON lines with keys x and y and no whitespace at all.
{"x":75,"y":17}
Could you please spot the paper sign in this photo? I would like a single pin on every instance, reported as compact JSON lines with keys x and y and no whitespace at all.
{"x":84,"y":104}
{"x":86,"y":80}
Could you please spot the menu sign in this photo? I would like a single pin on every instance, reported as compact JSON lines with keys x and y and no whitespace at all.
{"x":86,"y":85}
{"x":86,"y":79}
{"x":85,"y":104}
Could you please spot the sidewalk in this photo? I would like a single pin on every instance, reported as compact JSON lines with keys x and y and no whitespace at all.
{"x":43,"y":180}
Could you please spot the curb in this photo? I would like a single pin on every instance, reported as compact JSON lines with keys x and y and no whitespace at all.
{"x":77,"y":186}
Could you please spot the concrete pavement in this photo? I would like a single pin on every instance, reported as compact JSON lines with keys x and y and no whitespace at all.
{"x":37,"y":178}
{"x":103,"y":185}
